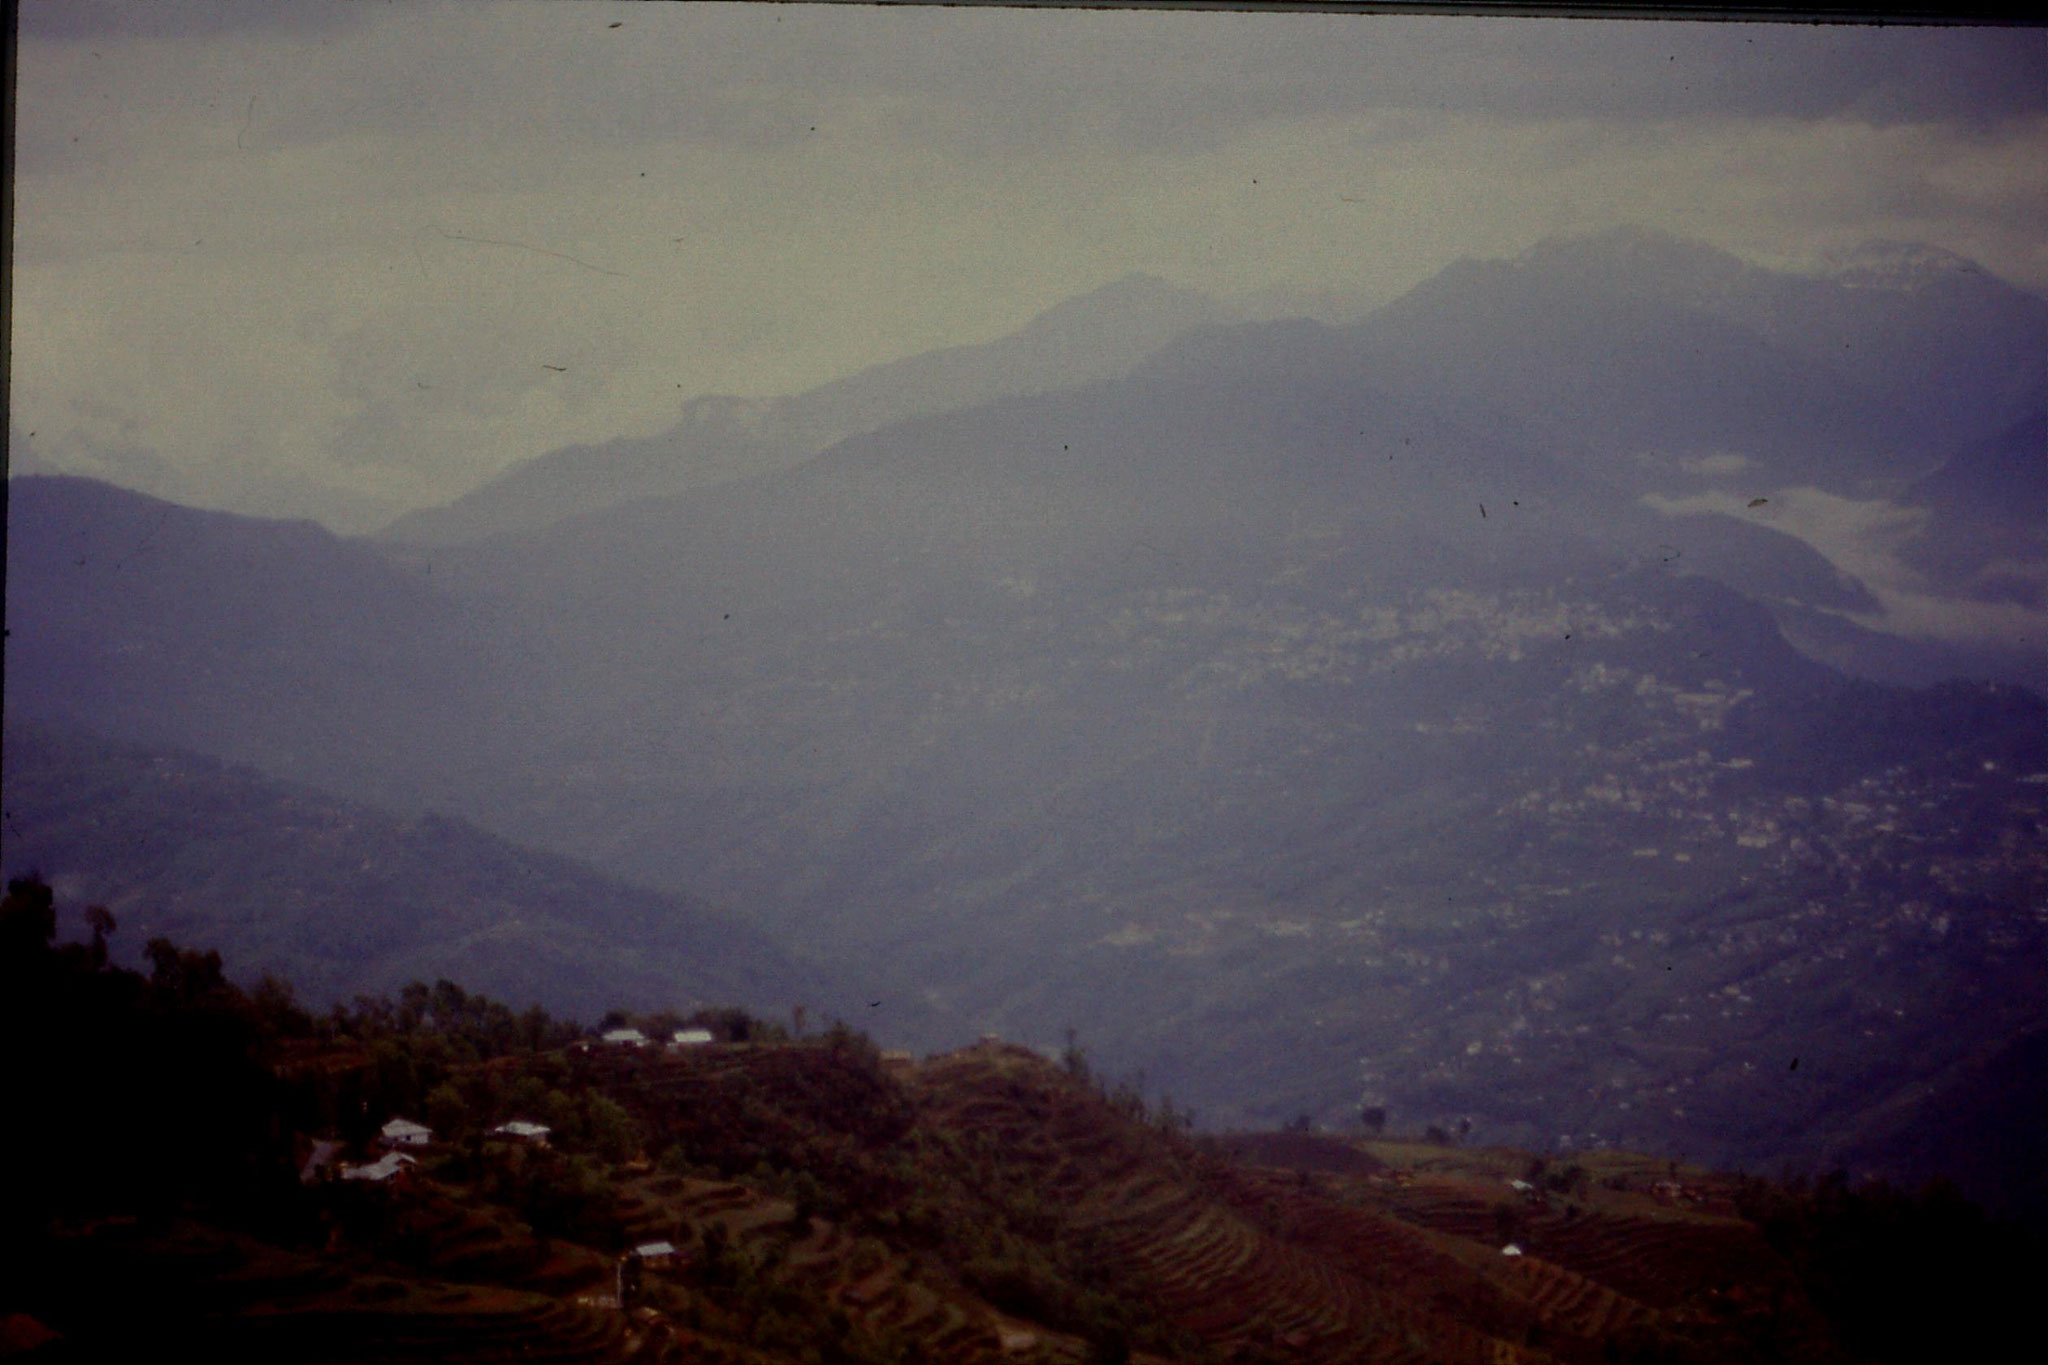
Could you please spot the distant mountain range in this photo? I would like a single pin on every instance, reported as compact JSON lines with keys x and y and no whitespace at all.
{"x":1308,"y":715}
{"x":1661,"y":364}
{"x":1099,"y":335}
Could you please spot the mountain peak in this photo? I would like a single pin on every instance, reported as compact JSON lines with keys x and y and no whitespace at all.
{"x":1137,"y":302}
{"x":1904,"y":267}
{"x":1633,"y":249}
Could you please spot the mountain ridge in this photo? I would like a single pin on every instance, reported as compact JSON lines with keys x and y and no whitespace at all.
{"x":718,"y":439}
{"x":1295,"y":724}
{"x":346,"y":900}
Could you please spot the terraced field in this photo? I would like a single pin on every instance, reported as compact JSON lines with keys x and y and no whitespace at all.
{"x":981,"y":1207}
{"x":1172,"y":1227}
{"x":1311,"y":1248}
{"x":472,"y":1325}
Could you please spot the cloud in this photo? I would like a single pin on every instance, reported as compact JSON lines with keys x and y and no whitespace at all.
{"x":1865,"y":538}
{"x":93,"y":21}
{"x":990,"y":81}
{"x":259,"y":242}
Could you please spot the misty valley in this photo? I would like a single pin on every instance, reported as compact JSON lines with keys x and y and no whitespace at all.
{"x":1458,"y":720}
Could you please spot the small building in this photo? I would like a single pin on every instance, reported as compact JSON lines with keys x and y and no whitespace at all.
{"x":523,"y":1130}
{"x":391,"y":1168}
{"x":1511,"y":1250}
{"x":625,"y":1037}
{"x":631,"y":1272}
{"x":690,"y":1037}
{"x":657,"y":1254}
{"x":406,"y":1133}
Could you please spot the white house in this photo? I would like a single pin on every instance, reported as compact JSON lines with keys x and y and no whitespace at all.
{"x":406,"y":1133}
{"x":690,"y":1037}
{"x":382,"y":1170}
{"x":626,"y":1037}
{"x":523,"y":1130}
{"x":656,"y":1253}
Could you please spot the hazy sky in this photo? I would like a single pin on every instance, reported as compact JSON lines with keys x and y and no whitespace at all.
{"x":317,"y":259}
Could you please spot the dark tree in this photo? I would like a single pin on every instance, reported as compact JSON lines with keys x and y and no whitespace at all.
{"x":100,"y":920}
{"x":28,"y":919}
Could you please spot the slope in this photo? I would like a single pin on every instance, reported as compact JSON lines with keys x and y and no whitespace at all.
{"x":345,"y":899}
{"x":1987,"y":528}
{"x":276,"y":643}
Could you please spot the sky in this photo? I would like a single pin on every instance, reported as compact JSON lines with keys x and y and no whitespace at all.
{"x":341,"y":260}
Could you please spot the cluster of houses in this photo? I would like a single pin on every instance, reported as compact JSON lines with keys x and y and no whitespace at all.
{"x":393,"y":1168}
{"x":632,"y":1037}
{"x":395,"y":1165}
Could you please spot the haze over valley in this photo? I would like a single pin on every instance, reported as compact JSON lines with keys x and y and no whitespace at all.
{"x":1585,"y":691}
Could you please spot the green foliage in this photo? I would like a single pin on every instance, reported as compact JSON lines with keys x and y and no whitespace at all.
{"x":278,"y":1013}
{"x":1571,"y":1179}
{"x":1507,"y":1222}
{"x":1905,"y":1276}
{"x":186,"y":979}
{"x":613,"y":1133}
{"x":560,"y":1195}
{"x":564,"y":1116}
{"x":472,"y":1026}
{"x":143,"y":1091}
{"x":730,"y":1024}
{"x":1074,"y":1058}
{"x":1111,"y":1347}
{"x":28,"y":921}
{"x":719,"y":1262}
{"x":447,"y":1112}
{"x":848,"y":1043}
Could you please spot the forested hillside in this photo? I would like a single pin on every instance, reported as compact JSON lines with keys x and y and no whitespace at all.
{"x":779,"y":1194}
